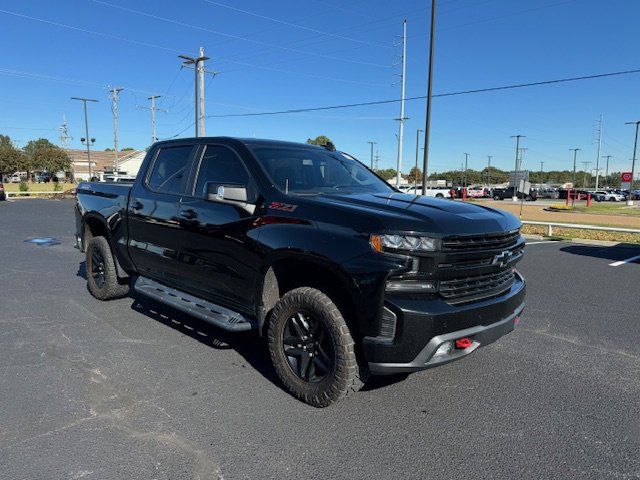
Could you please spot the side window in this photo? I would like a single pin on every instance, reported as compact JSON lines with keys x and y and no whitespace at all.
{"x":222,"y":167}
{"x":168,"y":173}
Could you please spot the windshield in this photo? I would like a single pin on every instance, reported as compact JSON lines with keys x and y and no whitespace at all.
{"x":307,"y":171}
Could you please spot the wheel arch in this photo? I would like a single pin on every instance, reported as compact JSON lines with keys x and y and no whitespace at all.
{"x":95,"y":225}
{"x":287,"y":271}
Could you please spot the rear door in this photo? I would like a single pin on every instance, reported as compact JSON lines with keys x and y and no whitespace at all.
{"x":153,"y":213}
{"x":218,"y":251}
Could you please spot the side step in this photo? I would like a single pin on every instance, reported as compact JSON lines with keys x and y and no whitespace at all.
{"x":202,"y":309}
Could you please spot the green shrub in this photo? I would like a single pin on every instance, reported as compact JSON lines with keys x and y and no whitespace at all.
{"x":24,"y":187}
{"x":57,"y":186}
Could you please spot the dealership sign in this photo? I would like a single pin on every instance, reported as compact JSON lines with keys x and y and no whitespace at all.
{"x":625,"y":176}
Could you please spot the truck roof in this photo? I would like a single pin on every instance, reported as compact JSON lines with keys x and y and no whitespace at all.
{"x":247,"y":141}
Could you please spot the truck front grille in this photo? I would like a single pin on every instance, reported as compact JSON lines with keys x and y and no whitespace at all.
{"x":480,"y":242}
{"x":478,"y":286}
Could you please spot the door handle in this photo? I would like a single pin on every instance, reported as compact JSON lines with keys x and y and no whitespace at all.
{"x":136,"y":205}
{"x":188,"y":214}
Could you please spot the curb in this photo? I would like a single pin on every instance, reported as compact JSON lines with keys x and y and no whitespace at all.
{"x":531,"y":236}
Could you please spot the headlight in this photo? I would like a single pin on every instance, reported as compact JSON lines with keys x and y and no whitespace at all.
{"x":407,"y":243}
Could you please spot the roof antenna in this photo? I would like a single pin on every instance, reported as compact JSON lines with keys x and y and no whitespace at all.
{"x":286,"y":186}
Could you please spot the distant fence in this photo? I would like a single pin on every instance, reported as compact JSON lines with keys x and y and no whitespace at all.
{"x":551,"y":225}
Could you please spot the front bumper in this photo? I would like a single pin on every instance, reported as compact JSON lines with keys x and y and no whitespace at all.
{"x":422,"y":326}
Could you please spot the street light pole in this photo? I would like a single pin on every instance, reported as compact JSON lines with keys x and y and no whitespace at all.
{"x":86,"y":130}
{"x":195,"y":61}
{"x":427,"y":127}
{"x":415,"y":180}
{"x":515,"y":172}
{"x":633,"y":161}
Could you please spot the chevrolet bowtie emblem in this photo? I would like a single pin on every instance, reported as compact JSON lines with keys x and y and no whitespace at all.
{"x":502,"y":259}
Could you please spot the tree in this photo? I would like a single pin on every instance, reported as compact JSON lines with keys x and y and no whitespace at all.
{"x":387,"y":173}
{"x":127,"y":149}
{"x":43,"y":155}
{"x":415,"y":175}
{"x":11,"y":159}
{"x":320,"y":140}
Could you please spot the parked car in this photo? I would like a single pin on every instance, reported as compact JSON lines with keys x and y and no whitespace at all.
{"x":43,"y":177}
{"x":552,"y":193}
{"x":341,"y":275}
{"x":3,"y":195}
{"x":477,"y":192}
{"x":607,"y":196}
{"x":502,"y":193}
{"x":16,"y":178}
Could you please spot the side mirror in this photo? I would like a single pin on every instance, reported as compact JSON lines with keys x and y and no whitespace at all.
{"x":231,"y":194}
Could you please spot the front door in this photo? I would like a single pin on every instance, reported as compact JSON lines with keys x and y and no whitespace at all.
{"x":153,"y":214}
{"x":218,"y":250}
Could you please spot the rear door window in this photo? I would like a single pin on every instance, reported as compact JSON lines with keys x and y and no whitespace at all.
{"x":169,"y":172}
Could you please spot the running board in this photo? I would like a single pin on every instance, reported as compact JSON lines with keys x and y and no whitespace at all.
{"x":207,"y":311}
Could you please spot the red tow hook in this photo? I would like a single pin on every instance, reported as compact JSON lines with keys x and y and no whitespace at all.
{"x":462,"y":343}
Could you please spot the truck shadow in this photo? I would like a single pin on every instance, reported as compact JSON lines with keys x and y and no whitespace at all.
{"x":615,"y":253}
{"x":247,"y":344}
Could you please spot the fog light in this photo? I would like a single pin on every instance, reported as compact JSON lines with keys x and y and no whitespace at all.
{"x":414,"y":286}
{"x":444,"y":349}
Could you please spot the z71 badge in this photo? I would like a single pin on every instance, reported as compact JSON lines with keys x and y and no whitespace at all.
{"x":285,"y":207}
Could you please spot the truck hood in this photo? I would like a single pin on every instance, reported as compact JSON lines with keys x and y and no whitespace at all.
{"x":399,"y":212}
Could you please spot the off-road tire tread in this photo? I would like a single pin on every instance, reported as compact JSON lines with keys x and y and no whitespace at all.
{"x":113,"y":287}
{"x":350,"y":376}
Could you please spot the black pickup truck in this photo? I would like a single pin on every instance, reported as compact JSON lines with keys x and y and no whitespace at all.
{"x":509,"y":192}
{"x":342,"y":275}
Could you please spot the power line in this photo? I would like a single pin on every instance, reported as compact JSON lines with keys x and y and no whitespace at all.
{"x":422,"y":97}
{"x":172,"y":50}
{"x":233,"y":36}
{"x":295,"y":25}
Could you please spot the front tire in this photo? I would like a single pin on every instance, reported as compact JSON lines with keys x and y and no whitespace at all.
{"x":312,"y":349}
{"x":102,"y":279}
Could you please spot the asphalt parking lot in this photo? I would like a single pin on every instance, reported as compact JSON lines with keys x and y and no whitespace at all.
{"x":129,"y":389}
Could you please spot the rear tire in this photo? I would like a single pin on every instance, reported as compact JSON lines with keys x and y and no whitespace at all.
{"x":312,"y":349}
{"x":439,"y":195}
{"x":497,"y":197}
{"x":102,"y":279}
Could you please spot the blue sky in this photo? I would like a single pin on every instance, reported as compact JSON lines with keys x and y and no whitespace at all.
{"x":280,"y":54}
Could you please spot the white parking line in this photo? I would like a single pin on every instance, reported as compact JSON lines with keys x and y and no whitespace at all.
{"x":622,"y":262}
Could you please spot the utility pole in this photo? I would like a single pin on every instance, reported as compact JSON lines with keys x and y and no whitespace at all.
{"x":377,"y":159}
{"x":86,"y":130}
{"x":600,"y":126}
{"x":489,"y":157}
{"x":466,"y":163}
{"x":541,"y":167}
{"x":584,"y":173}
{"x":64,"y":133}
{"x":114,"y":108}
{"x":606,"y":175}
{"x":199,"y":72}
{"x":427,"y":127}
{"x":633,"y":161}
{"x":153,"y":110}
{"x":415,"y":180}
{"x":372,"y":144}
{"x":515,"y":173}
{"x":402,"y":94}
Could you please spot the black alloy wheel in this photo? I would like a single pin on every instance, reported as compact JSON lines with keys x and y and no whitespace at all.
{"x":308,"y":348}
{"x":97,"y":268}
